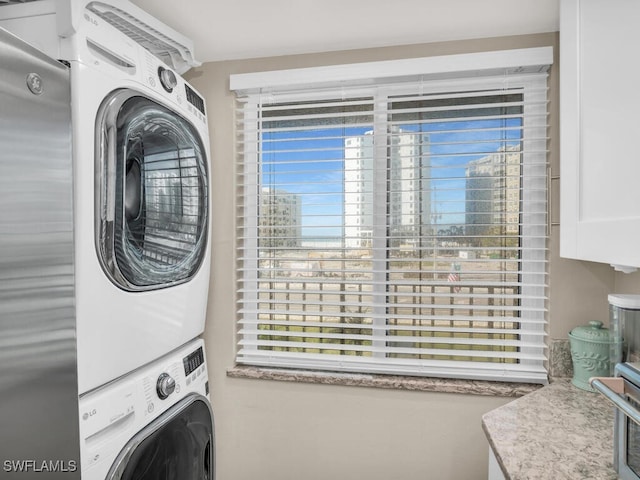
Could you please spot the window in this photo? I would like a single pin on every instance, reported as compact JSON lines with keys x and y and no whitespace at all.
{"x":396,"y":222}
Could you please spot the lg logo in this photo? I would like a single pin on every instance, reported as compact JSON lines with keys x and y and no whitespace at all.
{"x":90,"y":19}
{"x":89,"y":414}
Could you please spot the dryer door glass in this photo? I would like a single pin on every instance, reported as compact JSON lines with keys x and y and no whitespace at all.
{"x":153,"y":198}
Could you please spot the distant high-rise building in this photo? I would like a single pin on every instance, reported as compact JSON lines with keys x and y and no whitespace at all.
{"x":280,"y":218}
{"x":406,"y":179}
{"x":492,"y":193}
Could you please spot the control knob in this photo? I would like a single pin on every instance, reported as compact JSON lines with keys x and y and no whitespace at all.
{"x":167,"y":79}
{"x":165,"y":385}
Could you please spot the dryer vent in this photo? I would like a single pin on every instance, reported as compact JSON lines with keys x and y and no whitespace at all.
{"x":170,"y":47}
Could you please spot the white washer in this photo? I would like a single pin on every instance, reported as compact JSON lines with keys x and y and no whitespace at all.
{"x":155,"y":423}
{"x":141,"y":180}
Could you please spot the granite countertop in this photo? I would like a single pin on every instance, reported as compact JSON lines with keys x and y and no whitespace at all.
{"x":557,"y":432}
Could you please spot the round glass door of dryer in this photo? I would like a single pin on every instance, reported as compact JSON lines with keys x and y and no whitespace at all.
{"x":153,"y":197}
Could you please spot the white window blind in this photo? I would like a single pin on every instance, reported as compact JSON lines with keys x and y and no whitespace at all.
{"x":398,"y":227}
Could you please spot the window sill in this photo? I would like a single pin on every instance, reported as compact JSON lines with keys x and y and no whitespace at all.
{"x":396,"y":382}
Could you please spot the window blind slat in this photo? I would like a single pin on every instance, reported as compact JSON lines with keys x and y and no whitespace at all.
{"x":400,"y":335}
{"x":501,"y":353}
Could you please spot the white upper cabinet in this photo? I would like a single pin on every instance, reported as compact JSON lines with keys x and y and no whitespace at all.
{"x":600,"y":131}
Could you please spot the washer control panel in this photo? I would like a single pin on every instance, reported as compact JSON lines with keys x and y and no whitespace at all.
{"x":193,"y":361}
{"x":111,"y":415}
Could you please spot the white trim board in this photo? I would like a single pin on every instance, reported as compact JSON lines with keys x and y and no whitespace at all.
{"x":525,"y":60}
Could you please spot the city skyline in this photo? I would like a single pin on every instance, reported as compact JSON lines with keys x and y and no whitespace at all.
{"x":484,"y":174}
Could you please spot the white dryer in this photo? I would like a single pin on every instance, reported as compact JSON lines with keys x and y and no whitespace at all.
{"x":141,"y":180}
{"x":154,"y":424}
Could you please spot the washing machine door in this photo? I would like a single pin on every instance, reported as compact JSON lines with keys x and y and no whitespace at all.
{"x":179,"y":445}
{"x":152,"y":188}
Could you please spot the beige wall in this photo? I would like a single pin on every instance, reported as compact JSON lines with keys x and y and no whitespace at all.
{"x":277,"y":431}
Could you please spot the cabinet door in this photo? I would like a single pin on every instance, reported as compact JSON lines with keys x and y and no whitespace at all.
{"x":600,"y":130}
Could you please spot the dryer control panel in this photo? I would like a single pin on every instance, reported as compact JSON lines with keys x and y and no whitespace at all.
{"x":100,"y":46}
{"x":111,"y":415}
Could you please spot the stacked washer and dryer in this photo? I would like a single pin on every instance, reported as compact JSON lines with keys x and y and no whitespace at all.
{"x":141,"y":228}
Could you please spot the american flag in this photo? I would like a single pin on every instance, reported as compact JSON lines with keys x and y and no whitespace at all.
{"x":454,"y":277}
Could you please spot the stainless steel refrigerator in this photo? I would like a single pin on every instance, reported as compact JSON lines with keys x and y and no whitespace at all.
{"x":38,"y":376}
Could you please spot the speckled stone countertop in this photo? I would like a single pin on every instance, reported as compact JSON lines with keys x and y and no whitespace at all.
{"x":425,"y":384}
{"x":557,"y":432}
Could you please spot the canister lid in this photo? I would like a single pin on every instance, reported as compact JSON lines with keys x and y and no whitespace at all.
{"x":592,"y":332}
{"x":632,"y":302}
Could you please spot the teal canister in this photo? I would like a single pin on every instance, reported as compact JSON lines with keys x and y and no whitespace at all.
{"x":590,"y":347}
